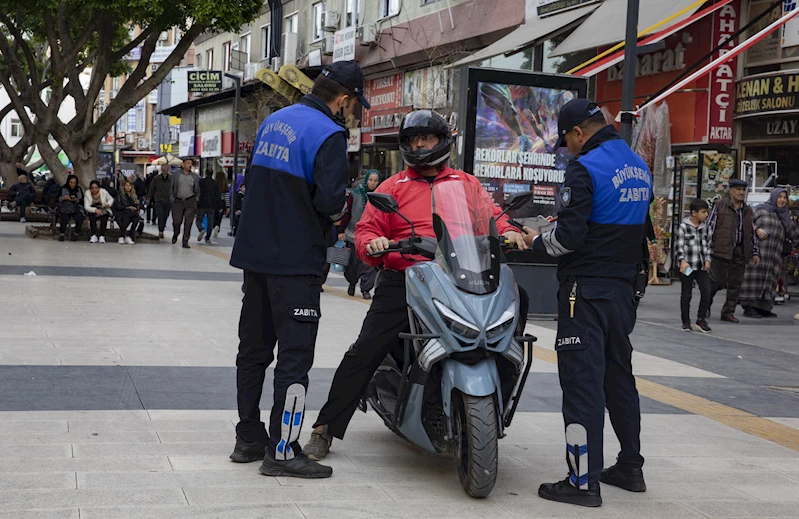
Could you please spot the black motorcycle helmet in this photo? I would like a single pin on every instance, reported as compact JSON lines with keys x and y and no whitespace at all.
{"x":422,"y":122}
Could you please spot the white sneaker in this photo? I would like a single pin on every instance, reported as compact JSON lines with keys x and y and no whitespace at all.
{"x":102,"y":239}
{"x":216,"y":232}
{"x":22,"y":220}
{"x":121,"y":241}
{"x":200,"y":237}
{"x":129,"y":240}
{"x":93,"y":239}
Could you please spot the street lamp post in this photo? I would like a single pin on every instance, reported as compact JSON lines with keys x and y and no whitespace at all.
{"x":628,"y":83}
{"x":236,"y":79}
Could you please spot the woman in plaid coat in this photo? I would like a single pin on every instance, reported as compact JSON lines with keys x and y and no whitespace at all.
{"x":773,"y":226}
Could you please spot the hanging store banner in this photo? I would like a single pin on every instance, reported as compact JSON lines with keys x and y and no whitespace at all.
{"x":772,"y":93}
{"x":722,"y":79}
{"x":211,"y":144}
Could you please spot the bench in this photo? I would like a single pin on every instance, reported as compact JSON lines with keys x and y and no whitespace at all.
{"x":38,"y":211}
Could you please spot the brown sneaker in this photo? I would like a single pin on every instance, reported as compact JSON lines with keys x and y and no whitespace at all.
{"x":319,"y":444}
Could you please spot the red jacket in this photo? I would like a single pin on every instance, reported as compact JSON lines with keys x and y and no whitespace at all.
{"x":413,"y":194}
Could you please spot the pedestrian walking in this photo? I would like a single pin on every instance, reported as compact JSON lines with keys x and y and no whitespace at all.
{"x":356,"y":269}
{"x":208,"y":204}
{"x":222,"y":184}
{"x":773,"y":225}
{"x":296,"y":188}
{"x":99,"y":207}
{"x":692,"y":251}
{"x":160,"y":197}
{"x":184,"y":191}
{"x":733,"y":245}
{"x":598,"y":242}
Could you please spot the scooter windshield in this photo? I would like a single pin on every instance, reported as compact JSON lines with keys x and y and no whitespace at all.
{"x":468,"y":242}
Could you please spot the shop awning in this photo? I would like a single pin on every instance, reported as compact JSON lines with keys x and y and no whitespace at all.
{"x":527,"y":34}
{"x":606,"y":25}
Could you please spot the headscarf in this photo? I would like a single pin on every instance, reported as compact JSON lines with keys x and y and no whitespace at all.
{"x":782,"y":212}
{"x":363,"y":189}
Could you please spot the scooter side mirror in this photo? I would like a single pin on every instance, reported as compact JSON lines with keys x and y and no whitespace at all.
{"x":518,"y":200}
{"x":383,"y":202}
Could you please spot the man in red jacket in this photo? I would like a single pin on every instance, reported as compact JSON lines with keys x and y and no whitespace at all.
{"x":425,"y":143}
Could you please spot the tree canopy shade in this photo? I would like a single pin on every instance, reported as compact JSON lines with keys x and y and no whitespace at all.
{"x":45,"y":46}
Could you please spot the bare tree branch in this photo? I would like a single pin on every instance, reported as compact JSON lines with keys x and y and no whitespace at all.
{"x":121,"y":53}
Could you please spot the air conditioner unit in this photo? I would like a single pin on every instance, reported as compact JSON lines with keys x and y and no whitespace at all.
{"x":327,"y":45}
{"x":367,"y":35}
{"x":112,"y":94}
{"x":332,"y":19}
{"x":163,"y":36}
{"x":250,"y":69}
{"x":129,"y":138}
{"x":143,"y":144}
{"x":290,"y":53}
{"x":153,"y":67}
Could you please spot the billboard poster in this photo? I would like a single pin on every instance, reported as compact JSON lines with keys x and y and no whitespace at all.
{"x":515,"y":134}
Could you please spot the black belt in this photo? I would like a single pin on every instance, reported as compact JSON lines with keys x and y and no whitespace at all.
{"x":626,"y":281}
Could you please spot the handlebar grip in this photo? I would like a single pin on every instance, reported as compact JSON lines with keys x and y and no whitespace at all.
{"x":392,"y":247}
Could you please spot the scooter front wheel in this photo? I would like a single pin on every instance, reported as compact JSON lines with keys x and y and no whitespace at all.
{"x":476,"y":433}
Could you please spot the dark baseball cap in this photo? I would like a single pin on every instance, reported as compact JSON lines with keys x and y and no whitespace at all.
{"x":737,"y":182}
{"x":572,"y":114}
{"x":348,"y":74}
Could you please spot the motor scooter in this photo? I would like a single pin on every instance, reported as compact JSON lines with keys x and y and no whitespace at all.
{"x":452,"y":384}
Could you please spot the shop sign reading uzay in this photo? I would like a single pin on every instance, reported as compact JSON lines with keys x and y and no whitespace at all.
{"x":722,"y":79}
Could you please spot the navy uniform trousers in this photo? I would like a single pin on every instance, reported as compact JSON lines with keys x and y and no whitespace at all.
{"x":282,"y":311}
{"x":595,"y":370}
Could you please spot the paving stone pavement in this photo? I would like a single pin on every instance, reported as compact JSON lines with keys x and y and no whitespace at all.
{"x":117,"y":401}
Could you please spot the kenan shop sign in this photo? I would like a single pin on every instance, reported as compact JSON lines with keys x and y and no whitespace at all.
{"x":767,"y":94}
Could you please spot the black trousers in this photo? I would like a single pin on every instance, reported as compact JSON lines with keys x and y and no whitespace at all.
{"x":93,"y":219}
{"x":595,"y":371}
{"x":23,"y":202}
{"x":211,"y":214}
{"x":124,"y":219}
{"x":77,"y":216}
{"x":703,"y":280}
{"x":386,"y":318}
{"x":728,"y":274}
{"x":162,"y":210}
{"x":282,"y":310}
{"x":149,"y":214}
{"x":358,"y":270}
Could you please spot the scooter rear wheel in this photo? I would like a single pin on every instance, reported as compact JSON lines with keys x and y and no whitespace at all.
{"x":476,"y":432}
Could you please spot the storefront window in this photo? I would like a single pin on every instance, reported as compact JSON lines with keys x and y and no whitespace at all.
{"x":562,"y":64}
{"x":787,"y":158}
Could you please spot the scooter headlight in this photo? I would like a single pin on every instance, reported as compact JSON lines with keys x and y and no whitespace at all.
{"x":502,"y":324}
{"x":457,"y":324}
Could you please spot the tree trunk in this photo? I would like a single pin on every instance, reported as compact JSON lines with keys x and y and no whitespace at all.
{"x":50,"y":157}
{"x":84,"y":161}
{"x":8,"y":166}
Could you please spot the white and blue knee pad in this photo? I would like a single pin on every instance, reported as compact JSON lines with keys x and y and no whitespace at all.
{"x":577,"y":455}
{"x":291,"y":422}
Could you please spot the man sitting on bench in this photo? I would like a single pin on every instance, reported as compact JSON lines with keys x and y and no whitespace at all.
{"x":22,"y":194}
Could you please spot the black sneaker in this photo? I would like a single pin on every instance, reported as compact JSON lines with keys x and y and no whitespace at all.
{"x":61,"y":237}
{"x":367,"y":296}
{"x":351,"y":290}
{"x":686,"y":326}
{"x":186,"y":246}
{"x":174,"y":239}
{"x":564,"y":492}
{"x":703,"y":327}
{"x":765,"y":313}
{"x":629,"y":479}
{"x":298,"y":467}
{"x":247,"y":452}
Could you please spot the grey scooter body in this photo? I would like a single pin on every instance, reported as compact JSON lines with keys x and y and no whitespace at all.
{"x":418,"y":388}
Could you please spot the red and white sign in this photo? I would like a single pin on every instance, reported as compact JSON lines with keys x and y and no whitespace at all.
{"x":383,"y":94}
{"x":722,"y":79}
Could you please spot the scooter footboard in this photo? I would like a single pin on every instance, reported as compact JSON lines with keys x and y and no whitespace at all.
{"x":481,"y":379}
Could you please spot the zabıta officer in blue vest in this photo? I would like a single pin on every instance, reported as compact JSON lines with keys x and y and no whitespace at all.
{"x":604,"y":203}
{"x":295,"y":191}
